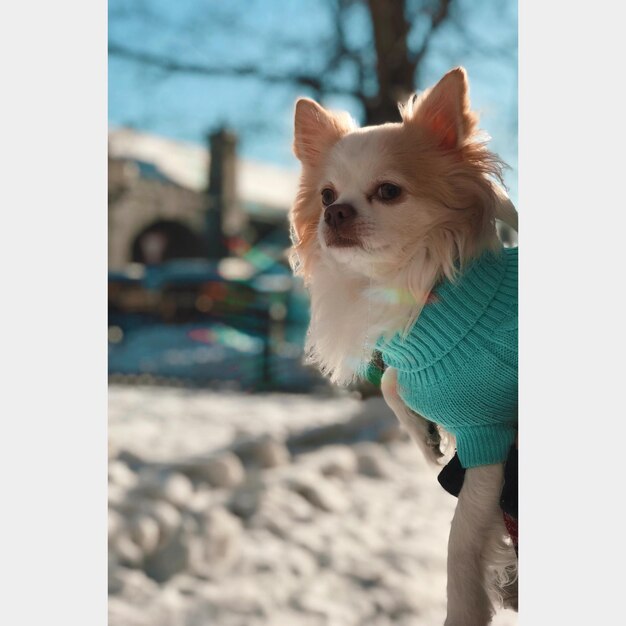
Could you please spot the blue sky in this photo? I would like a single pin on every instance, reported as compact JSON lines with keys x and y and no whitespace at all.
{"x":282,"y":34}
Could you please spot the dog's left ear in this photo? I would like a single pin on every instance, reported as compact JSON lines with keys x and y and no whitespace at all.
{"x":444,"y":110}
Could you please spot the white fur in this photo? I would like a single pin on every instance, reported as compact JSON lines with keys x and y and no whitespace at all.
{"x":355,"y":300}
{"x":417,"y":427}
{"x":482,"y":564}
{"x":379,"y":287}
{"x":362,"y":293}
{"x":505,"y":209}
{"x":349,"y":313}
{"x":359,"y":295}
{"x":477,"y":523}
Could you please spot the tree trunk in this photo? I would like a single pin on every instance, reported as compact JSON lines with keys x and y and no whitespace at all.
{"x":395,"y":69}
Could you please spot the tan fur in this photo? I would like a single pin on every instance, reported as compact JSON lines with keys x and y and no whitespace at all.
{"x":316,"y":131}
{"x":444,"y":217}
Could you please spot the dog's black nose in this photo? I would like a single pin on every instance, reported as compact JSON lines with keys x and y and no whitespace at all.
{"x":337,"y":215}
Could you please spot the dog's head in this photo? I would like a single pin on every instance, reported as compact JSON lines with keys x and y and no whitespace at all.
{"x":403,"y":203}
{"x":375,"y":196}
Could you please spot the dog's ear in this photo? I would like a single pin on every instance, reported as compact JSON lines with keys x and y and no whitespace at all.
{"x":444,"y":110}
{"x":317,"y":130}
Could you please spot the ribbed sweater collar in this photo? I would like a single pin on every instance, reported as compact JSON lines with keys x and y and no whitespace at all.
{"x":453,"y":311}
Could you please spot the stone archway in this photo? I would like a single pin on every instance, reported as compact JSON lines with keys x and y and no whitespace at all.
{"x":165,"y":240}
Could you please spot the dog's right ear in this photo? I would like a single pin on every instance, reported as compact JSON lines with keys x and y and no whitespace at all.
{"x":317,"y":130}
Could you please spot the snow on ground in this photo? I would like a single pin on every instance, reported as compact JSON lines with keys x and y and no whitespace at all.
{"x":283,"y":510}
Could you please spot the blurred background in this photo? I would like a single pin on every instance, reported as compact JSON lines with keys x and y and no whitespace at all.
{"x":243,"y":488}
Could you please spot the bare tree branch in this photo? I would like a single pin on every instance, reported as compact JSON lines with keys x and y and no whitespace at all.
{"x":167,"y":64}
{"x":377,"y":72}
{"x":469,"y":44}
{"x":173,"y":65}
{"x":439,"y":17}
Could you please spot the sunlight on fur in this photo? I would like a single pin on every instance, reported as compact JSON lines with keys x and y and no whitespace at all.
{"x":444,"y":218}
{"x":383,"y":214}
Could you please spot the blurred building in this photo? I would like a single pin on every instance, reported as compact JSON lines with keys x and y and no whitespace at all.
{"x":170,"y":200}
{"x":199,"y":286}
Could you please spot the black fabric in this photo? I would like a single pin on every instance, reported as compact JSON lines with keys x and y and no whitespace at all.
{"x":508,"y":498}
{"x":452,"y":475}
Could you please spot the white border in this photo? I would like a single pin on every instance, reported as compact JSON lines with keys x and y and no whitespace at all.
{"x":571,"y":135}
{"x":53,"y":323}
{"x":53,"y":263}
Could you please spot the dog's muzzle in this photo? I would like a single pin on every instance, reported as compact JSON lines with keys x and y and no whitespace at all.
{"x":339,"y":220}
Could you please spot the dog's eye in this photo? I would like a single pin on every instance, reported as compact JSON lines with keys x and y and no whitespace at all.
{"x":328,"y":197}
{"x":388,"y":191}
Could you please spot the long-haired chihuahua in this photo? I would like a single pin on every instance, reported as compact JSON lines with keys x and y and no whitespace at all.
{"x":384,"y":216}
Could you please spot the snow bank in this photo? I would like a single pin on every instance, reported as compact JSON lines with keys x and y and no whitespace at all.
{"x":281,"y":510}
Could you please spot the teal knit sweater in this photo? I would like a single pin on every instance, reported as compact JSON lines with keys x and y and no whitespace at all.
{"x":458,"y":364}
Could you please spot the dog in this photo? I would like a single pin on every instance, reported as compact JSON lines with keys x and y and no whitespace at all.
{"x":390,"y":224}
